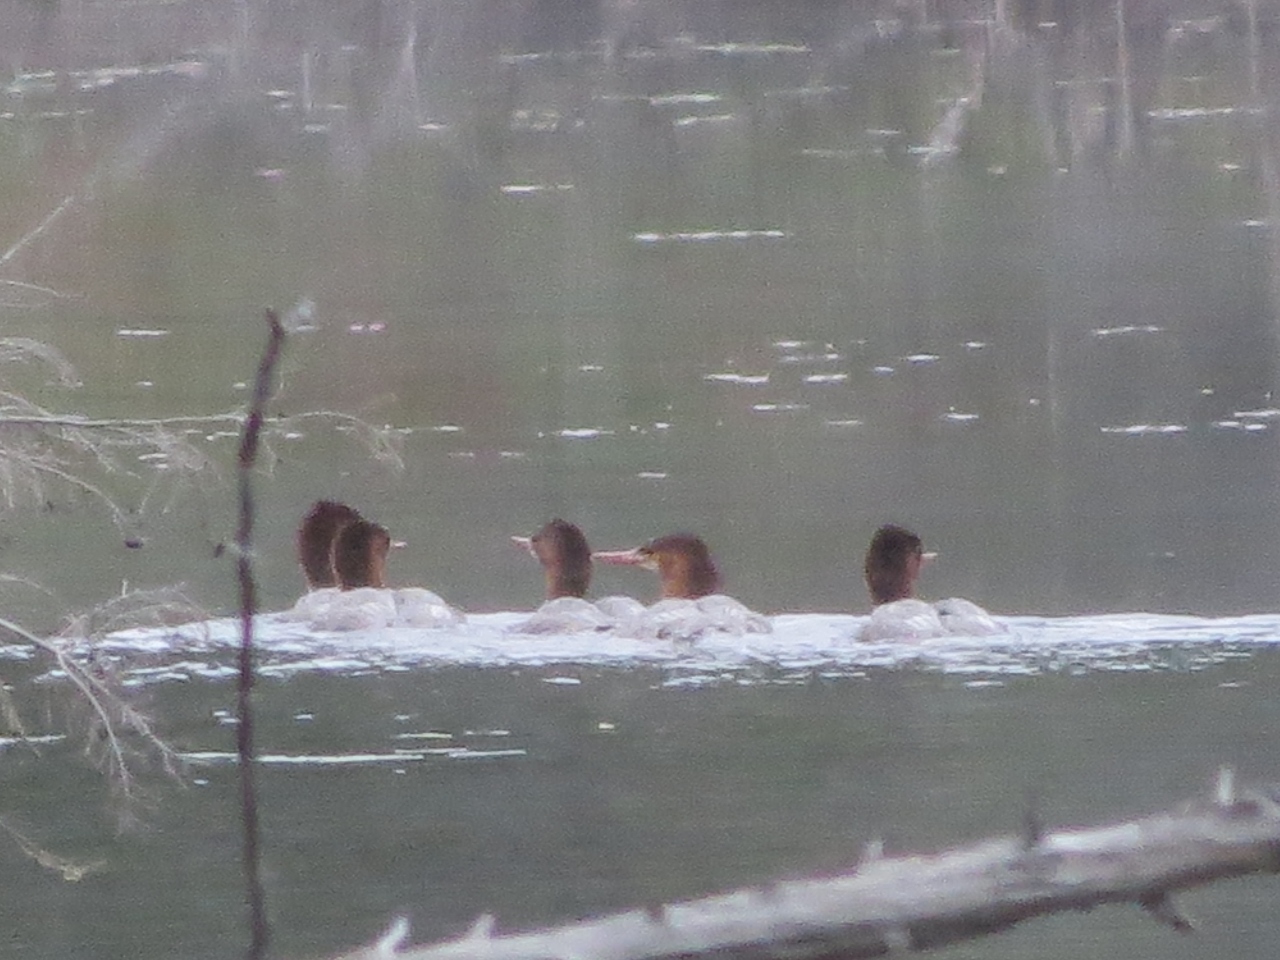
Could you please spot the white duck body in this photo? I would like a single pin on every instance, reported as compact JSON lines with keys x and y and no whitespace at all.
{"x":372,"y":608}
{"x":419,"y":607}
{"x":964,"y":618}
{"x":912,"y":619}
{"x":669,"y":619}
{"x":684,"y":619}
{"x":907,"y":619}
{"x":620,"y":608}
{"x":566,"y":615}
{"x":575,"y":615}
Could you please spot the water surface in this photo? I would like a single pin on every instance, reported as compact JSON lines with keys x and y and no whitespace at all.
{"x":773,"y":272}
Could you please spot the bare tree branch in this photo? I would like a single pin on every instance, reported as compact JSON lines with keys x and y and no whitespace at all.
{"x":162,"y":607}
{"x":42,"y":449}
{"x":69,"y":870}
{"x":27,"y":350}
{"x":915,"y":903}
{"x":42,"y":445}
{"x":230,"y":418}
{"x":115,"y":718}
{"x":259,"y":929}
{"x":384,"y":443}
{"x":10,"y":719}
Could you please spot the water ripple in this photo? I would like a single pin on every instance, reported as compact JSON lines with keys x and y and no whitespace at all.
{"x":804,"y":642}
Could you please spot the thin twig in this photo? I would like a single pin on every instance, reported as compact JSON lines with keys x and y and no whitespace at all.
{"x":70,"y":479}
{"x":35,"y":288}
{"x":69,"y":870}
{"x":39,"y":228}
{"x":158,"y":607}
{"x":112,"y":712}
{"x":74,"y":420}
{"x":259,"y":928}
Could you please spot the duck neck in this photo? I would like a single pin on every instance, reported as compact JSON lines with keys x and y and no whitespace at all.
{"x":889,"y":587}
{"x":315,"y":553}
{"x":360,"y":555}
{"x":362,"y":572}
{"x":567,"y":583}
{"x":317,"y":569}
{"x":687,"y":578}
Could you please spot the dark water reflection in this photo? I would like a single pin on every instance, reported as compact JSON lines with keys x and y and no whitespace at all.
{"x":652,"y":266}
{"x":1042,"y":350}
{"x":613,"y":790}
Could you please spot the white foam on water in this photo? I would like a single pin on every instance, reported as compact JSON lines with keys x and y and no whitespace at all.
{"x":802,"y":643}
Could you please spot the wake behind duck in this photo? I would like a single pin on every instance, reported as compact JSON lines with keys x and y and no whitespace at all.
{"x":798,"y":647}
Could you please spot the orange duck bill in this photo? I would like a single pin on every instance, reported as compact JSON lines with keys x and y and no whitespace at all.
{"x":635,"y":557}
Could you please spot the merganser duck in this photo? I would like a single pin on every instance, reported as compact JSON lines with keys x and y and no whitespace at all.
{"x":682,"y":561}
{"x":359,"y":555}
{"x":349,"y":591}
{"x":691,"y":604}
{"x":893,"y":564}
{"x":315,"y":541}
{"x":562,"y":549}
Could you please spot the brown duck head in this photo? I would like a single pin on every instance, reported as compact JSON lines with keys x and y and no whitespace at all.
{"x":682,"y":561}
{"x":893,"y":564}
{"x":565,"y":556}
{"x":315,"y":541}
{"x":360,"y":555}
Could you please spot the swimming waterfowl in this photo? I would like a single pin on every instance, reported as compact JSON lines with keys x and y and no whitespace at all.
{"x":691,"y":604}
{"x":562,"y":549}
{"x":682,"y":561}
{"x":359,"y":555}
{"x":893,"y":563}
{"x":891,"y":568}
{"x":346,"y":575}
{"x":315,"y":541}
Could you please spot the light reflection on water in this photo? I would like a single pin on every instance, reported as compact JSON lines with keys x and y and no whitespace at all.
{"x":655,"y":266}
{"x":545,"y":793}
{"x":797,"y":645}
{"x":567,"y":260}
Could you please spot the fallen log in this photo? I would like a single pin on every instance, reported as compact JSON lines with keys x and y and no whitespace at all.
{"x":915,"y":903}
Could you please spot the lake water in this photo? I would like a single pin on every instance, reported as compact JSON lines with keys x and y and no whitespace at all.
{"x":773,"y":272}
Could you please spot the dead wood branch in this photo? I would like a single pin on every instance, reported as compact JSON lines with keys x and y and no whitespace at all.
{"x":70,"y":870}
{"x":117,"y":728}
{"x":259,"y":929}
{"x":385,"y":443}
{"x":119,"y":738}
{"x":159,"y":607}
{"x":42,"y":450}
{"x":915,"y":903}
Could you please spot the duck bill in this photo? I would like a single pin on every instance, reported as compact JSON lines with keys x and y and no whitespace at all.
{"x":620,"y":558}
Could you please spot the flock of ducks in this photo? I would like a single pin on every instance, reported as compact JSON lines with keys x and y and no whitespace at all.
{"x":344,"y":558}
